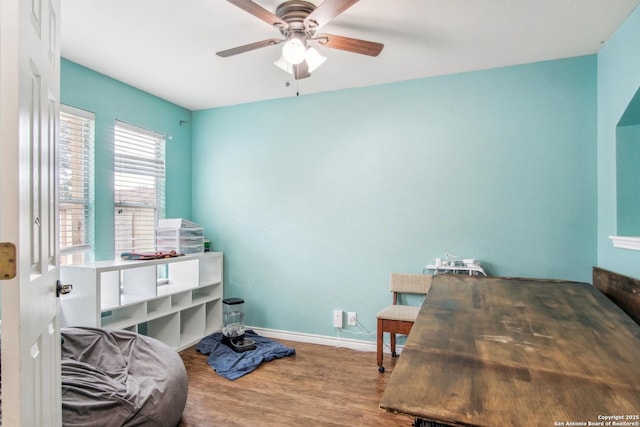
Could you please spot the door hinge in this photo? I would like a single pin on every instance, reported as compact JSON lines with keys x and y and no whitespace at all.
{"x":7,"y":261}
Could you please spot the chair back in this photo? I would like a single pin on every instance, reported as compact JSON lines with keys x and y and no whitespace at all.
{"x":405,"y":283}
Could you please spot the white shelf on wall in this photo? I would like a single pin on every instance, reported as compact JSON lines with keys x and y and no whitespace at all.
{"x":624,"y":242}
{"x":176,"y":300}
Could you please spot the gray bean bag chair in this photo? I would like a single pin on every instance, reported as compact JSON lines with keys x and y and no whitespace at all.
{"x":120,"y":378}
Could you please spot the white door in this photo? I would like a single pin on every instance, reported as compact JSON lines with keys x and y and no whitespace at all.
{"x":29,"y":104}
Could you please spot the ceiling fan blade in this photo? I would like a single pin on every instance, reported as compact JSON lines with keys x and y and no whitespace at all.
{"x":301,"y":70}
{"x":324,"y":13}
{"x":248,"y":47}
{"x":362,"y":47}
{"x":259,"y":12}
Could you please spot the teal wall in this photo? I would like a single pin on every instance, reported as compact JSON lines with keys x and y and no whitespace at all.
{"x":112,"y":100}
{"x":316,"y":199}
{"x":628,"y":180}
{"x":618,"y":81}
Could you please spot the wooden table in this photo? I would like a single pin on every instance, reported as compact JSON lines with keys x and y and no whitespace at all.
{"x":488,"y":351}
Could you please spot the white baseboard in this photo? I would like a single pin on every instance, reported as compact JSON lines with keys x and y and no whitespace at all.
{"x":351,"y":343}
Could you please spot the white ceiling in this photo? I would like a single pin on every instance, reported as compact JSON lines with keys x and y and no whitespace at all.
{"x":167,"y":47}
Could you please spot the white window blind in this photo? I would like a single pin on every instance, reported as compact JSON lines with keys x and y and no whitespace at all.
{"x":139,"y":184}
{"x":76,"y":145}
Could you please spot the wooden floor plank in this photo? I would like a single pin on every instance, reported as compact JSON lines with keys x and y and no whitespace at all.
{"x":320,"y":386}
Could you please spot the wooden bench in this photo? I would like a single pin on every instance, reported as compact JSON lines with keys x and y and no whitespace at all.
{"x":491,"y":351}
{"x":624,"y":291}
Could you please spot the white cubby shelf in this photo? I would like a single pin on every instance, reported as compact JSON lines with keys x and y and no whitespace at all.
{"x":175,"y":300}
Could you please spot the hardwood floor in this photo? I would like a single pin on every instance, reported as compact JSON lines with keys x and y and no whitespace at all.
{"x":319,"y":386}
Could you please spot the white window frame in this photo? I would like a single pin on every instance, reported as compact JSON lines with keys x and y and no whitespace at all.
{"x":139,"y":169}
{"x":76,"y":183}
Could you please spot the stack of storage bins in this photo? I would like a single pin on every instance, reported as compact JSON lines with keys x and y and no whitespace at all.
{"x":178,"y":234}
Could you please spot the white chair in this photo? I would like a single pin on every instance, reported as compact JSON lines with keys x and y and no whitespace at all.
{"x":398,"y":318}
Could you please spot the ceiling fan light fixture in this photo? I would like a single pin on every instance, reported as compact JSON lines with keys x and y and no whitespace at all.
{"x":297,"y":21}
{"x":314,"y":59}
{"x":294,"y":50}
{"x":284,"y":65}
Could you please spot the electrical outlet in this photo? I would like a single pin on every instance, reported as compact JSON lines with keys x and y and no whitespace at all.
{"x":352,"y":319}
{"x":337,"y":318}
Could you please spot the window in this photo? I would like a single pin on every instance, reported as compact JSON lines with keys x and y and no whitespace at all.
{"x":76,"y":145}
{"x":139,"y":185}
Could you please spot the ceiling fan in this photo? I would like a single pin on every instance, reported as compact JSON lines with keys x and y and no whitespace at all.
{"x":298,"y":21}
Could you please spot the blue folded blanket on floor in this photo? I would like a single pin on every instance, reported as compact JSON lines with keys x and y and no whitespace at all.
{"x":232,"y":365}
